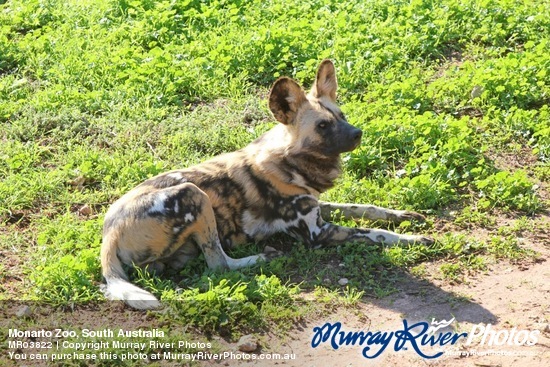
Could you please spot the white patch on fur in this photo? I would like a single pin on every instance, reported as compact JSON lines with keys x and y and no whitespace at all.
{"x":258,"y":228}
{"x":189,"y":218}
{"x":176,"y":176}
{"x":298,"y":180}
{"x":158,"y":204}
{"x":120,"y":289}
{"x":389,"y":238}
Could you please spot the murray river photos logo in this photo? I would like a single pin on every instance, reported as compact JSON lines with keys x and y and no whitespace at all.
{"x":418,"y":337}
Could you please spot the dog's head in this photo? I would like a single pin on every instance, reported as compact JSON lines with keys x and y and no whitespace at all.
{"x":314,"y":121}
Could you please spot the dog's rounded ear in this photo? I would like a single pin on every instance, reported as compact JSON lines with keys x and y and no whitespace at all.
{"x":285,"y":98}
{"x":325,"y":82}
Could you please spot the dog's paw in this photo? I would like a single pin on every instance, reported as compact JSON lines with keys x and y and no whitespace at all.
{"x":410,"y":216}
{"x":271,"y":253}
{"x":426,"y":241}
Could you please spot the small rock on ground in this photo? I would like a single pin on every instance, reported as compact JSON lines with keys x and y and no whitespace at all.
{"x":343,"y":281}
{"x":23,"y":311}
{"x":247,"y":343}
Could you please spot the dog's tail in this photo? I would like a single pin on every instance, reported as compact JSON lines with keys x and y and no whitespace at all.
{"x":118,"y":287}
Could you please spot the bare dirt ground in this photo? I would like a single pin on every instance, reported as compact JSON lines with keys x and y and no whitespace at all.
{"x":507,"y":296}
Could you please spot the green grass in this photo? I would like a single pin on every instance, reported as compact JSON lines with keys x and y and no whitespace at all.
{"x":96,"y":96}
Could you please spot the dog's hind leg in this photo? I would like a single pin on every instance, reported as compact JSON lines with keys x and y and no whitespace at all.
{"x":362,"y":211}
{"x":152,"y":227}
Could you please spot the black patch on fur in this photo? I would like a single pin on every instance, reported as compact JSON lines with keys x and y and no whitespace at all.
{"x":143,"y":256}
{"x":228,"y":219}
{"x":302,"y":233}
{"x":278,"y":100}
{"x":275,"y":206}
{"x":331,"y":235}
{"x":185,"y":201}
{"x":313,"y":169}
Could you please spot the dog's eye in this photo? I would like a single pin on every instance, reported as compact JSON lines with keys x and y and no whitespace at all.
{"x":322,"y":124}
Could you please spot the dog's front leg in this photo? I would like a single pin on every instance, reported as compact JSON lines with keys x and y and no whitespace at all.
{"x":207,"y":238}
{"x":362,"y":211}
{"x":331,"y":234}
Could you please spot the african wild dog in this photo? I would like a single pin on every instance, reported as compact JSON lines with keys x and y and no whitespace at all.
{"x":269,"y":186}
